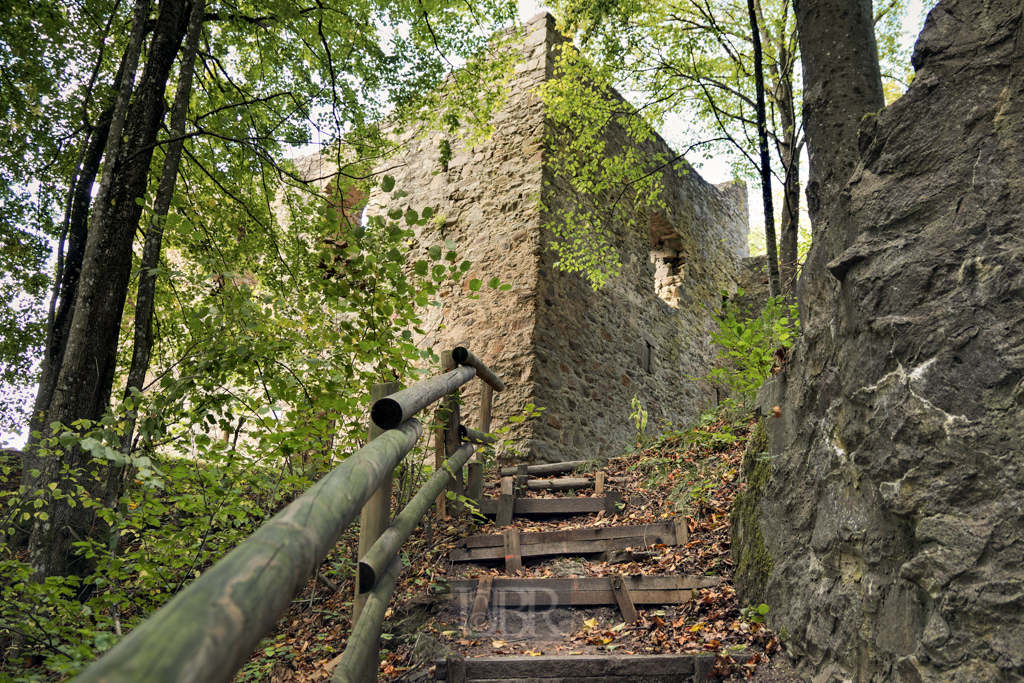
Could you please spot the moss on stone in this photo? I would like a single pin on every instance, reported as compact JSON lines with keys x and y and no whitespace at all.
{"x":751,"y":558}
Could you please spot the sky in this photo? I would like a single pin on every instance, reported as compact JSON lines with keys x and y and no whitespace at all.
{"x":717,"y":170}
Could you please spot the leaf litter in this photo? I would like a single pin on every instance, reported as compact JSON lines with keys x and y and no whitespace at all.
{"x":673,"y":476}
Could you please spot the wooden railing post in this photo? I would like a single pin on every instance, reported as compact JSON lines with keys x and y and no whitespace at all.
{"x":445,"y":418}
{"x":475,"y":470}
{"x":376,"y":517}
{"x":486,"y":398}
{"x":452,"y":440}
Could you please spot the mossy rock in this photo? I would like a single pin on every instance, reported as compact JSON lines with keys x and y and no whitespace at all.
{"x":750,"y":557}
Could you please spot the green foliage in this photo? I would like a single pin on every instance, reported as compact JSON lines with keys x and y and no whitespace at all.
{"x":613,"y":181}
{"x":751,"y":347}
{"x":638,"y":416}
{"x":688,"y":457}
{"x":262,"y":370}
{"x":672,"y":61}
{"x":754,"y":614}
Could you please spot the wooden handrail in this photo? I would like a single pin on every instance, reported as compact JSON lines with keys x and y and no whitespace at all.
{"x":398,"y":407}
{"x":209,"y":630}
{"x":387,"y":546}
{"x":462,"y":356}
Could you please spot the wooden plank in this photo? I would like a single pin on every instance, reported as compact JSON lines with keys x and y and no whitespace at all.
{"x":604,"y":545}
{"x":556,"y":506}
{"x":483,"y":599}
{"x":546,"y":469}
{"x":623,"y":598}
{"x":631,"y":678}
{"x":682,"y":531}
{"x":442,"y":500}
{"x":522,"y":478}
{"x":591,"y":583}
{"x":612,"y":503}
{"x":456,"y":668}
{"x":544,"y":599}
{"x":575,"y":667}
{"x":486,"y":399}
{"x":452,"y":440}
{"x":513,"y":556}
{"x":599,"y":482}
{"x":504,"y":508}
{"x":475,"y":487}
{"x":542,"y":593}
{"x":634,"y":678}
{"x":649,"y":534}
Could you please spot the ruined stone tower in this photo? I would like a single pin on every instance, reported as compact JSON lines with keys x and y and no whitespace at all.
{"x":580,"y":354}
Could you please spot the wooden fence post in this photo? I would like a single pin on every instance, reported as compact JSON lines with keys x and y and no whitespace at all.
{"x":452,"y":440}
{"x":475,"y":470}
{"x":486,"y":398}
{"x":445,"y":419}
{"x":376,"y":517}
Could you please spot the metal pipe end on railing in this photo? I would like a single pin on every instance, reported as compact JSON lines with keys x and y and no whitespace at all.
{"x":462,"y":356}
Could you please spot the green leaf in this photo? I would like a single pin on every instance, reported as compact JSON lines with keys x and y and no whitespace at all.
{"x":411,"y":217}
{"x":387,"y":183}
{"x":434,"y":252}
{"x":475,"y":285}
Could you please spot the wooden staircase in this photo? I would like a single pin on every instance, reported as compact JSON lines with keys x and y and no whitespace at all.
{"x":489,"y":603}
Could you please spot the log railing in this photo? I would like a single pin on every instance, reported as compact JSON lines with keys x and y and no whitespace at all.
{"x":209,"y":630}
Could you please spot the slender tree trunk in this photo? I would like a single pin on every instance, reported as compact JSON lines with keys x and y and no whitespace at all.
{"x":83,"y":385}
{"x":842,"y":83}
{"x":790,"y":228}
{"x":144,"y":300}
{"x":774,"y":288}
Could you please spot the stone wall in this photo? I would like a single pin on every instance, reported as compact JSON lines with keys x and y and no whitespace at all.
{"x":580,"y":354}
{"x":887,"y":532}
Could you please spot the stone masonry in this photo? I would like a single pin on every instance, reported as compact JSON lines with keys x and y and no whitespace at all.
{"x":580,"y":354}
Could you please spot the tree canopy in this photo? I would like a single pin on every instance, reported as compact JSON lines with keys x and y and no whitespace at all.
{"x":691,"y":60}
{"x":188,"y":290}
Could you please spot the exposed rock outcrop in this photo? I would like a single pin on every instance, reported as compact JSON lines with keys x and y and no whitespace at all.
{"x":892,"y":517}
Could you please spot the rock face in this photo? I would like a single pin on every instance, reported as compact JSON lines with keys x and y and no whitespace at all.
{"x":887,"y":534}
{"x":580,"y":354}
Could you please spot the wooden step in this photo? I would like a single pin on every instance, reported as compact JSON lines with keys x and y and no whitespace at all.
{"x":579,"y":591}
{"x":566,"y":668}
{"x":573,"y":542}
{"x":553,"y":468}
{"x":556,"y":506}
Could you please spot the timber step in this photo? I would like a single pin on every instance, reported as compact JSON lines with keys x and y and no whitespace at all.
{"x":593,"y":668}
{"x":529,"y":507}
{"x":482,"y":547}
{"x":534,"y":593}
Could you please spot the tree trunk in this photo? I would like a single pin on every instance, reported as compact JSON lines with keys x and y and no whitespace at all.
{"x":842,"y":84}
{"x":774,"y":288}
{"x":790,"y":153}
{"x":66,"y":289}
{"x":144,"y":300}
{"x":83,"y":384}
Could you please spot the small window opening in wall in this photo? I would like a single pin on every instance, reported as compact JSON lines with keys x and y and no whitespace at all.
{"x":647,"y":356}
{"x":668,"y":259}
